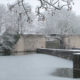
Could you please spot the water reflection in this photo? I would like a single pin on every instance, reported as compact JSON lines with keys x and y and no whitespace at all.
{"x":63,"y":72}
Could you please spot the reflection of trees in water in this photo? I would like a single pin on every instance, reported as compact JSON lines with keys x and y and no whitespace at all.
{"x":63,"y":72}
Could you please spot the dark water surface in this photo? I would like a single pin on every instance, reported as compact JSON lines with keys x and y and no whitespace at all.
{"x":63,"y":72}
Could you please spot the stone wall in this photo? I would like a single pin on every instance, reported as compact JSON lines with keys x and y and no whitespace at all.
{"x":64,"y":53}
{"x":30,"y":43}
{"x":72,"y":41}
{"x":33,"y":42}
{"x":20,"y":45}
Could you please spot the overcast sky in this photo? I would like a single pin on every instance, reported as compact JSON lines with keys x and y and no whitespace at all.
{"x":76,"y":7}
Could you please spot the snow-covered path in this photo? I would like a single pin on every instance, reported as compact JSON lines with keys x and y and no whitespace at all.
{"x":31,"y":67}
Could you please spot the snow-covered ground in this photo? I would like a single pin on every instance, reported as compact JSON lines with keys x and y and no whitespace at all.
{"x":32,"y":67}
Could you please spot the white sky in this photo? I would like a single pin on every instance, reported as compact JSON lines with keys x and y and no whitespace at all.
{"x":76,"y":7}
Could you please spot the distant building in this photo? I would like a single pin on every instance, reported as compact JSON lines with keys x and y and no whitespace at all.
{"x":29,"y":42}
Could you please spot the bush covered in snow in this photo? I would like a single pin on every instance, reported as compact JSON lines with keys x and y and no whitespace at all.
{"x":9,"y":39}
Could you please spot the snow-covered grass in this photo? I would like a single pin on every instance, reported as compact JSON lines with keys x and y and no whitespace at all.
{"x":32,"y":67}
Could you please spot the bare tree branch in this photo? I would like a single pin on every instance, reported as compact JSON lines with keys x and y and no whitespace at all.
{"x":26,"y":12}
{"x":21,"y":3}
{"x":55,"y":5}
{"x":46,"y":5}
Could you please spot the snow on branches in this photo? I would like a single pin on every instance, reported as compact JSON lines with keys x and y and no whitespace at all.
{"x":53,"y":5}
{"x":46,"y":5}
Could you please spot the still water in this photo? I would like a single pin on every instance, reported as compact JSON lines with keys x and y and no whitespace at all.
{"x":63,"y":72}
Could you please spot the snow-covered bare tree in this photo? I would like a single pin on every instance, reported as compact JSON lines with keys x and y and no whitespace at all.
{"x":65,"y":25}
{"x":52,"y":5}
{"x":2,"y":16}
{"x":46,"y":5}
{"x":61,"y":23}
{"x":19,"y":11}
